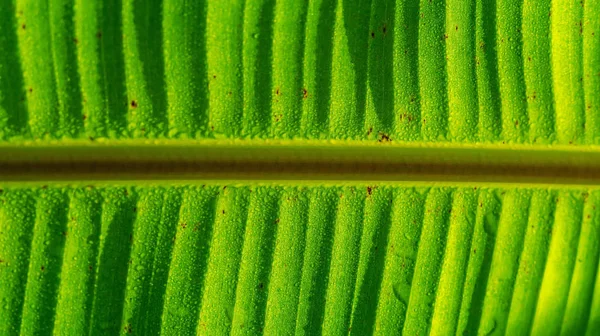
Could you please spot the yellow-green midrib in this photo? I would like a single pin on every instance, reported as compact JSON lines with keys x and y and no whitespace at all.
{"x":247,"y":259}
{"x":507,"y":71}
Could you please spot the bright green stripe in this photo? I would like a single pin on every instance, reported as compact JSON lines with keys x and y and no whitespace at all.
{"x":432,"y":70}
{"x":379,"y":114}
{"x":318,"y":53}
{"x":586,"y":267}
{"x":591,"y":70}
{"x":188,"y":262}
{"x":463,"y":114}
{"x":88,"y":38}
{"x":118,"y":214}
{"x":400,"y":258}
{"x":532,"y":263}
{"x":65,"y":66}
{"x":454,"y":268}
{"x":515,"y":122}
{"x":344,"y":261}
{"x":184,"y":29}
{"x":113,"y":68}
{"x":256,"y":53}
{"x":405,"y":67}
{"x":537,"y":69}
{"x":38,"y":68}
{"x":371,"y":265}
{"x":486,"y":69}
{"x":143,"y":252}
{"x":567,"y":74}
{"x":45,"y":263}
{"x":349,"y":69}
{"x":253,"y":280}
{"x":593,"y":323}
{"x":224,"y":263}
{"x":143,"y":67}
{"x":480,"y":260}
{"x":13,"y":114}
{"x":76,"y":291}
{"x":317,"y":258}
{"x":17,"y":209}
{"x":428,"y":263}
{"x":288,"y":51}
{"x":284,"y":287}
{"x":162,"y":258}
{"x":505,"y":262}
{"x":224,"y":60}
{"x":562,"y":255}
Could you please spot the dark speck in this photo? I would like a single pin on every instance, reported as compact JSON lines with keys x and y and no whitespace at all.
{"x":134,"y":104}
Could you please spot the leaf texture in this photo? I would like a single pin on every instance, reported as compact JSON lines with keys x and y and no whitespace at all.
{"x":299,"y":259}
{"x":505,"y":71}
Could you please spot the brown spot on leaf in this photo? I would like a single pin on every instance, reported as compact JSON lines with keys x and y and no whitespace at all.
{"x":384,"y":137}
{"x":134,"y":104}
